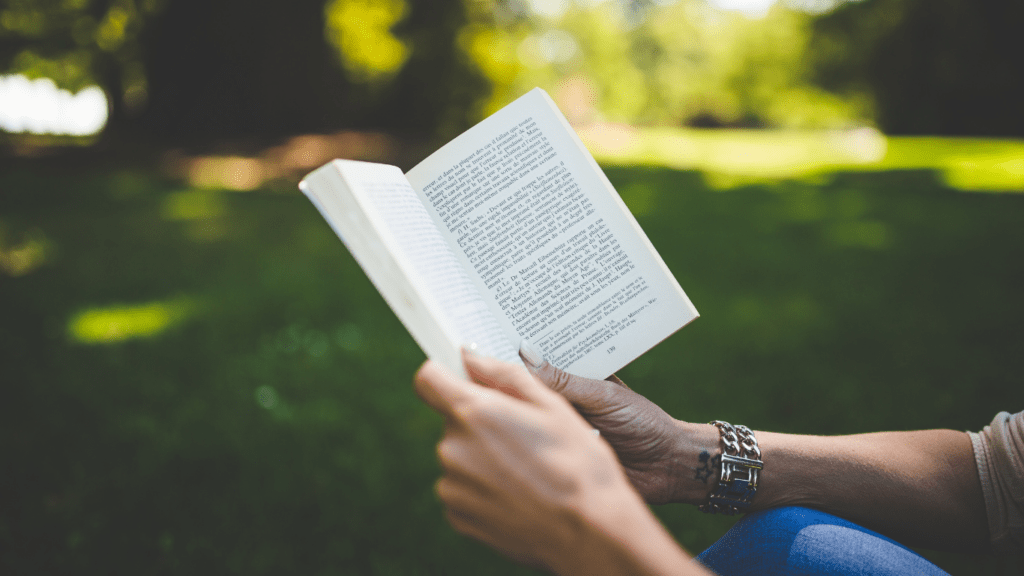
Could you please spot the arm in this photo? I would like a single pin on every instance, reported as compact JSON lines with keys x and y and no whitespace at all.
{"x":525,"y":474}
{"x":921,"y":488}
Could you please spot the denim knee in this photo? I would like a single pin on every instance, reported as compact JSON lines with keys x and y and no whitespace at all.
{"x":801,"y":541}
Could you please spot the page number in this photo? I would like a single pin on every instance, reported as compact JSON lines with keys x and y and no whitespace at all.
{"x":612,"y":349}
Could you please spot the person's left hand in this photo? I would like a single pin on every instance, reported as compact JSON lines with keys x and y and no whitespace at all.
{"x":667,"y":460}
{"x":524,"y":473}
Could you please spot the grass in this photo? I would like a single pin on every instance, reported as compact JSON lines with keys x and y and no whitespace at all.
{"x":204,"y":382}
{"x":737,"y":157}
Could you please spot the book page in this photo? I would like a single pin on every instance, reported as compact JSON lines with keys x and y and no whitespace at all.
{"x":405,"y":230}
{"x":548,"y":241}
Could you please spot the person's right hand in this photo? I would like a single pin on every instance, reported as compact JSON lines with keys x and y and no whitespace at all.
{"x":667,"y":460}
{"x":523,"y":474}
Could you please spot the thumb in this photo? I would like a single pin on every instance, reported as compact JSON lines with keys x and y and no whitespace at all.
{"x":587,"y":395}
{"x":508,"y":378}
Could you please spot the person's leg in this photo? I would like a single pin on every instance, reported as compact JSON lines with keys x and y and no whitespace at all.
{"x":801,"y":541}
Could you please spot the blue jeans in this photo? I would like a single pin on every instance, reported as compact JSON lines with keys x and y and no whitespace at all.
{"x":800,"y":541}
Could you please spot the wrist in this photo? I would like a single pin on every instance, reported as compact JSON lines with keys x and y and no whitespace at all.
{"x":695,"y":462}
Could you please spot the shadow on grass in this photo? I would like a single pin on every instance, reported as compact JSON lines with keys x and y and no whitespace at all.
{"x":272,"y":428}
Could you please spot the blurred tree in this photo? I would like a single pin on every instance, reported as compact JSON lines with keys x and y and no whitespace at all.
{"x":361,"y":30}
{"x":79,"y":42}
{"x":240,"y":69}
{"x":438,"y":89}
{"x":192,"y":72}
{"x":257,"y":69}
{"x":932,"y":66}
{"x":656,"y":62}
{"x":189,"y":72}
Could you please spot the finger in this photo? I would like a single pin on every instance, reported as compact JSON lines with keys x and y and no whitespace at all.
{"x":473,"y":527}
{"x":586,"y":394}
{"x":617,"y":380}
{"x":459,"y":464}
{"x":442,"y":390}
{"x":508,"y":378}
{"x":456,"y":494}
{"x":467,"y":525}
{"x":562,"y":382}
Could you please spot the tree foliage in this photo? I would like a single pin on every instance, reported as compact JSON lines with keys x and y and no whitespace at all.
{"x":659,"y":62}
{"x":191,"y":72}
{"x":932,"y":66}
{"x":79,"y":42}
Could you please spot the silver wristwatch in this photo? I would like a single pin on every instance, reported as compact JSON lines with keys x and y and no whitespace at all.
{"x":741,"y":467}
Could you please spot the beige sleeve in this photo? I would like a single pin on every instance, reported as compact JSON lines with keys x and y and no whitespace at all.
{"x":999,"y":454}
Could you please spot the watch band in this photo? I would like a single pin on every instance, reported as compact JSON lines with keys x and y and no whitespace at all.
{"x":741,"y":467}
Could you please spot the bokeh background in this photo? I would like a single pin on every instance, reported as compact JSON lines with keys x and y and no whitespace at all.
{"x":198,"y":379}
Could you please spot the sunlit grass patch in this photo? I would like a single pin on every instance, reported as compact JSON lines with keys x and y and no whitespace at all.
{"x":192,"y":205}
{"x":964,"y":163}
{"x":750,"y":153}
{"x":119,"y":323}
{"x":26,"y":256}
{"x":201,"y":211}
{"x":228,"y":172}
{"x":731,"y":158}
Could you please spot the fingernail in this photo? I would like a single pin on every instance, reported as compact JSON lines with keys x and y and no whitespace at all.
{"x":471,"y":347}
{"x":530,"y":354}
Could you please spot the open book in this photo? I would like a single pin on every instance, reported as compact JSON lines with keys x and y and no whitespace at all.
{"x":509,"y":232}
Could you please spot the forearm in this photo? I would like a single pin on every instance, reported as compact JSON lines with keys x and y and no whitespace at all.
{"x":920,"y":488}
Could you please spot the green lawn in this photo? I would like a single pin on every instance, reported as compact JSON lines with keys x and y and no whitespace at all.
{"x":203,"y":382}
